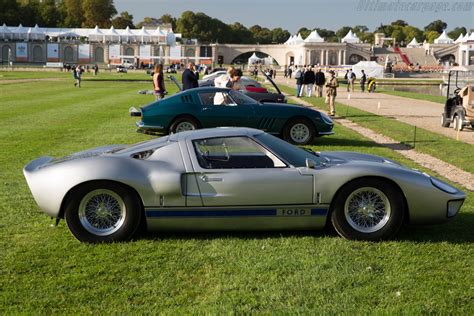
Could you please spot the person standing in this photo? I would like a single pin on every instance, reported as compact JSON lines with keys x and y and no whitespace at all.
{"x":331,"y":93}
{"x":319,"y":80}
{"x":363,"y":80}
{"x":78,"y":76}
{"x":290,"y":71}
{"x":299,"y":80}
{"x":308,"y":80}
{"x":189,"y":78}
{"x":159,"y":82}
{"x":96,"y":69}
{"x":351,"y":77}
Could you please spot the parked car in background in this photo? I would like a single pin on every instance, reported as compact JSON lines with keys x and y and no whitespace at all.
{"x":234,"y":179}
{"x":213,"y":107}
{"x":121,"y":68}
{"x":249,"y":87}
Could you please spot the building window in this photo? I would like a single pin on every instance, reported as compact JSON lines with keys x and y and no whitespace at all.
{"x":99,"y":55}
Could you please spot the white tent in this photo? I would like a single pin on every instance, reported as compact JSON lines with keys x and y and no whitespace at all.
{"x":314,"y":37}
{"x":460,"y":39}
{"x":413,"y":44}
{"x":470,"y":38}
{"x":171,"y":39}
{"x":371,"y":69}
{"x":351,"y":38}
{"x":254,"y":59}
{"x":5,"y":32}
{"x":158,"y":35}
{"x":444,"y":39}
{"x":96,"y":35}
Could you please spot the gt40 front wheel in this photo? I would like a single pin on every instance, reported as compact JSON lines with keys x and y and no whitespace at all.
{"x":368,"y":209}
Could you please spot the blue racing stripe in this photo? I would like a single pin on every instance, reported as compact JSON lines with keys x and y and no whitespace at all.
{"x":319,"y":211}
{"x":210,"y":213}
{"x":223,"y":212}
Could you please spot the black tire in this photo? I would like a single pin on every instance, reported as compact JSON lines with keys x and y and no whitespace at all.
{"x":299,"y":131}
{"x":183,"y":123}
{"x":103,"y":212}
{"x":368,"y":209}
{"x":457,"y":123}
{"x":444,"y":120}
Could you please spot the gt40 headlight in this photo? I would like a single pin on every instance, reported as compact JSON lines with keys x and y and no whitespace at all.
{"x":326,"y":118}
{"x":443,"y":186}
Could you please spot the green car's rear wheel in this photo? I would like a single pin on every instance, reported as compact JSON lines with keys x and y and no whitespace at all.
{"x":299,"y":131}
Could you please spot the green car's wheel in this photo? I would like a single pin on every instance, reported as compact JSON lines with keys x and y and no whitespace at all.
{"x":184,"y":123}
{"x":298,"y":131}
{"x":103,"y":212}
{"x":368,"y":209}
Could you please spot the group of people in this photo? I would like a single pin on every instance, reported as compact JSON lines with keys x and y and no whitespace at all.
{"x":306,"y":78}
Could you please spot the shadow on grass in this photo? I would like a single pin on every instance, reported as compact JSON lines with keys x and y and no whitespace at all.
{"x":458,"y":231}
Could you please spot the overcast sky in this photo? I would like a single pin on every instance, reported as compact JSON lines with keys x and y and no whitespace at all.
{"x":293,"y":14}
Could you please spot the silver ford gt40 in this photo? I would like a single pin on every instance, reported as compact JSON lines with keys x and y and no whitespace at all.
{"x":234,"y":179}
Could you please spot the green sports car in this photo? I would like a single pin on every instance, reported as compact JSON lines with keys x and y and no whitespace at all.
{"x":215,"y":107}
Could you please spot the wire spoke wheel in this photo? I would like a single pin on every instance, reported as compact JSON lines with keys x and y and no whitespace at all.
{"x":367,"y":210}
{"x":102,"y":212}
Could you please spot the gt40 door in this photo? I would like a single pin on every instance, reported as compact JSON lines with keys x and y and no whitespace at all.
{"x":237,"y":171}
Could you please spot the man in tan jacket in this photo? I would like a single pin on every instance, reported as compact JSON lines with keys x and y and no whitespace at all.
{"x":331,"y":93}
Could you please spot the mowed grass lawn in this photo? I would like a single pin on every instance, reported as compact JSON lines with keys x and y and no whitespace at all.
{"x":44,"y":270}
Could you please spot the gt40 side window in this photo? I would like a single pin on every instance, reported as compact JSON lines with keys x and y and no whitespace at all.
{"x":232,"y":153}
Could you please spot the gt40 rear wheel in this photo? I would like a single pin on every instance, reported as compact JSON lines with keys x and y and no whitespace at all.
{"x":103,"y":212}
{"x":368,"y":209}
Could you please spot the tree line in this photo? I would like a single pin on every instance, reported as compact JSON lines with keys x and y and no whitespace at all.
{"x":89,"y":13}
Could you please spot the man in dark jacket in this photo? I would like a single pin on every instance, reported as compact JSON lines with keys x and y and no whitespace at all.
{"x":190,"y":78}
{"x":308,"y":80}
{"x":320,"y":79}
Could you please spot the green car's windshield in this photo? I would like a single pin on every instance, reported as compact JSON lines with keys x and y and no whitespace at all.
{"x":294,"y":155}
{"x":241,"y":98}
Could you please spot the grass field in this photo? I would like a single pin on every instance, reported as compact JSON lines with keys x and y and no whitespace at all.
{"x":44,"y":270}
{"x":414,"y":95}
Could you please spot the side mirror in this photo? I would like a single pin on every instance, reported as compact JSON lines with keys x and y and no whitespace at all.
{"x":310,"y":164}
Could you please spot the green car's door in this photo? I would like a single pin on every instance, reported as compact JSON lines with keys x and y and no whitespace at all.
{"x":220,"y":109}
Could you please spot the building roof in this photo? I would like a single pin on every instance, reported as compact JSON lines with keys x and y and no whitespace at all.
{"x":350,"y":38}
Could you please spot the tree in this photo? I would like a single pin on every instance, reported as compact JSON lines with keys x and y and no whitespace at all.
{"x":399,"y":23}
{"x":49,"y":13}
{"x":9,"y":12}
{"x":123,"y":20}
{"x":202,"y":27}
{"x":148,"y":21}
{"x":98,"y":12}
{"x":454,"y":34}
{"x":431,"y":36}
{"x":167,"y":18}
{"x":412,"y":32}
{"x":262,"y":35}
{"x":437,"y":26}
{"x":279,"y":35}
{"x":240,"y":34}
{"x":304,"y":32}
{"x":71,"y":13}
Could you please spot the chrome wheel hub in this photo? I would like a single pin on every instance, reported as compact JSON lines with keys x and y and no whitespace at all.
{"x":367,"y":210}
{"x":184,"y":126}
{"x":102,"y":212}
{"x":299,"y":133}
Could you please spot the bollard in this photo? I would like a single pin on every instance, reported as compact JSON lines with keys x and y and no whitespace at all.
{"x":414,"y":138}
{"x":348,"y":96}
